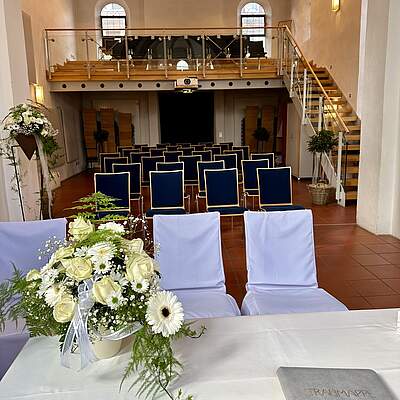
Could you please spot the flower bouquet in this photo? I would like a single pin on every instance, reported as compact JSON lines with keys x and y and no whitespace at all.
{"x":102,"y":285}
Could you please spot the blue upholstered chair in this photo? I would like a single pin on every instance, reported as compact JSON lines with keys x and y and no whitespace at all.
{"x":205,"y":155}
{"x":275,"y":187}
{"x":149,"y":164}
{"x":201,"y":167}
{"x":138,"y":146}
{"x":227,"y":145}
{"x":186,"y":151}
{"x":264,"y":156}
{"x":172,"y":156}
{"x":158,"y":152}
{"x":116,"y":185}
{"x":120,"y":150}
{"x":198,"y":147}
{"x":172,"y":148}
{"x":145,"y":148}
{"x":214,"y":150}
{"x":229,"y":159}
{"x":162,"y":145}
{"x":170,"y":166}
{"x":246,"y":151}
{"x":102,"y":156}
{"x":250,"y":178}
{"x":128,"y":152}
{"x":166,"y":193}
{"x":207,"y":144}
{"x":137,"y":157}
{"x":239,"y":156}
{"x":222,"y":192}
{"x":183,"y":144}
{"x":222,"y":146}
{"x":109,"y":161}
{"x":190,"y":169}
{"x":135,"y":181}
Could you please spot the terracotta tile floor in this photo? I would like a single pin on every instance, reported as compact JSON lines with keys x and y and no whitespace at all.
{"x":361,"y":269}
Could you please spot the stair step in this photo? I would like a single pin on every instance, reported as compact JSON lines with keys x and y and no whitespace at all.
{"x":353,"y":138}
{"x":352,"y":195}
{"x":353,"y":147}
{"x":352,"y":169}
{"x":326,"y":88}
{"x":350,"y":157}
{"x":351,"y":182}
{"x":354,"y":128}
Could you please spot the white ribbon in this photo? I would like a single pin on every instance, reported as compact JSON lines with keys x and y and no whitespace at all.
{"x":78,"y":329}
{"x":45,"y":171}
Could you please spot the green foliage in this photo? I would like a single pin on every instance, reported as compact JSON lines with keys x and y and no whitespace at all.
{"x":322,"y":142}
{"x":261,"y":134}
{"x":152,"y":359}
{"x":90,"y":205}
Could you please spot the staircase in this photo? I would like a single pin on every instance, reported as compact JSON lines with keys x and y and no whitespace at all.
{"x":324,"y":107}
{"x":351,"y":149}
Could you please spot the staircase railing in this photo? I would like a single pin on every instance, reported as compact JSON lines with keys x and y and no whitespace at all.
{"x":318,"y":109}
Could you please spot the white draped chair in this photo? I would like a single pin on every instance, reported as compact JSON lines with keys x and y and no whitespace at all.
{"x":281,"y":266}
{"x":191,"y":265}
{"x":19,"y":246}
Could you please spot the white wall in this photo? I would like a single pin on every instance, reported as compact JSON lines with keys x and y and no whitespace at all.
{"x":331,"y":39}
{"x":379,"y":201}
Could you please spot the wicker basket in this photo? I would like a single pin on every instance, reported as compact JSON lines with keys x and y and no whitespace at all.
{"x":319,"y":194}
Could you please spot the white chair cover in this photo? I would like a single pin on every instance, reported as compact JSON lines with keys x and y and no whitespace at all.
{"x":280,"y":249}
{"x":190,"y":254}
{"x":19,"y":245}
{"x":281,"y":266}
{"x":190,"y":259}
{"x":20,"y":242}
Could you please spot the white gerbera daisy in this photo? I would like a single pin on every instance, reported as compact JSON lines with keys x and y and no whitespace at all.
{"x":102,"y":268}
{"x":112,"y":226}
{"x":140,"y":286}
{"x":115,"y":299}
{"x":101,"y":253}
{"x":54,"y":294}
{"x":164,"y":313}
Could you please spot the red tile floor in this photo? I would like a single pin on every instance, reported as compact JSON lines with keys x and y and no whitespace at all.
{"x":361,"y":269}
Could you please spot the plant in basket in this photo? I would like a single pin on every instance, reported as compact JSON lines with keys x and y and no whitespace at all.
{"x":100,"y":286}
{"x":321,"y":142}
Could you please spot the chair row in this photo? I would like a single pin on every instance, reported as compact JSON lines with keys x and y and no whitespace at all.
{"x":280,"y":261}
{"x":217,"y":185}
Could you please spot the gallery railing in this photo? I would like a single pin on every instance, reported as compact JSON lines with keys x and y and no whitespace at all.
{"x":163,"y":50}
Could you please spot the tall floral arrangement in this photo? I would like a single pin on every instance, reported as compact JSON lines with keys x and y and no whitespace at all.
{"x":28,"y":120}
{"x":102,"y":284}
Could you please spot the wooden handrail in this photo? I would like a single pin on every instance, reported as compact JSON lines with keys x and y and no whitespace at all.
{"x":295,"y":45}
{"x":163,"y":29}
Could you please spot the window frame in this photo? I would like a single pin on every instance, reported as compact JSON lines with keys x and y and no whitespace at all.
{"x":256,"y":15}
{"x":108,"y":17}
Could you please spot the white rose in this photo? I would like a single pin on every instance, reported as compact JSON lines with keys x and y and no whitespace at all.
{"x":32,"y":275}
{"x":134,"y":245}
{"x":64,"y":310}
{"x":79,"y":229}
{"x":103,"y":288}
{"x":78,"y":268}
{"x":139,"y":267}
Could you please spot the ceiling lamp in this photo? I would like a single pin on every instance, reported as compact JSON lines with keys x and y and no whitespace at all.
{"x":335,"y":5}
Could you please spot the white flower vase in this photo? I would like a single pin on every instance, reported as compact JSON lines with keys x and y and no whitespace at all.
{"x":106,"y":348}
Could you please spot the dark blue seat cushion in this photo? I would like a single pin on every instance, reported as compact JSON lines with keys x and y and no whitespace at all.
{"x":283,"y":208}
{"x":228,"y":210}
{"x":164,"y":211}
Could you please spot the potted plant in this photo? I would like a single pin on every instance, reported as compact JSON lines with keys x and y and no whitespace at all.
{"x":322,"y":142}
{"x":262,"y":135}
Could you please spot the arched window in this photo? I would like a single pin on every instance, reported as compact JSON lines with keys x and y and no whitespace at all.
{"x":113,"y":20}
{"x":252,"y":18}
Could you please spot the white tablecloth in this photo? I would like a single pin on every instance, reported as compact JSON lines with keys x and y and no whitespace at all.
{"x":237,"y":358}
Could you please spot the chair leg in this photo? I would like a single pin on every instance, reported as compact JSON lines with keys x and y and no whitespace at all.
{"x":197,"y":203}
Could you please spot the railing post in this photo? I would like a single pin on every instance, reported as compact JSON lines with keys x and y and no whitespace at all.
{"x":47,"y":50}
{"x":127,"y":55}
{"x":87,"y":55}
{"x":339,"y":167}
{"x":292,"y":79}
{"x":203,"y":49}
{"x":320,"y":112}
{"x":165,"y":56}
{"x":241,"y":53}
{"x":304,"y":95}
